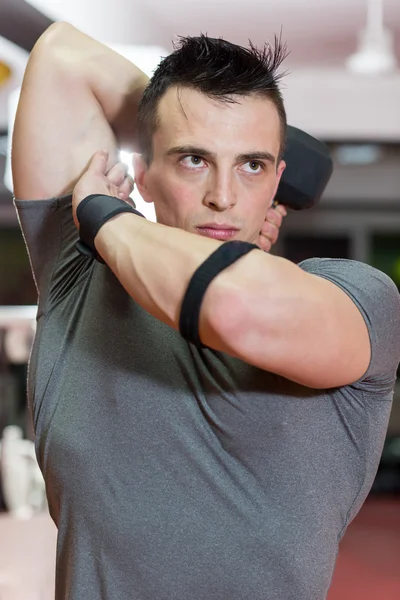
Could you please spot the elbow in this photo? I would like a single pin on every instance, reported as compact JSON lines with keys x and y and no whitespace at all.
{"x":55,"y":34}
{"x":55,"y":52}
{"x":53,"y":43}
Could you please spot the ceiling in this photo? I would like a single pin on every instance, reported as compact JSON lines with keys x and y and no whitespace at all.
{"x":317,"y":31}
{"x":320,"y":95}
{"x":320,"y":35}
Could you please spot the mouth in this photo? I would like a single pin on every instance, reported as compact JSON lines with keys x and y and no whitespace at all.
{"x":217,"y":232}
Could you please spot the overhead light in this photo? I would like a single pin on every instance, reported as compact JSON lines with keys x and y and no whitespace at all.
{"x":375,"y":54}
{"x":358,"y":154}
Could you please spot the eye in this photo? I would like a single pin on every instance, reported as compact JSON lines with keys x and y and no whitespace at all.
{"x":254,"y":166}
{"x":192,"y":161}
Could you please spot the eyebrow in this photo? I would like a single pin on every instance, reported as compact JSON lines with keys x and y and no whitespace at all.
{"x":197,"y":151}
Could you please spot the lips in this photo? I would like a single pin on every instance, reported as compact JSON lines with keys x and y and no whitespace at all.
{"x":217,"y":232}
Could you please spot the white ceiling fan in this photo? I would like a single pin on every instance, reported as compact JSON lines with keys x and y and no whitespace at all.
{"x":375,"y":54}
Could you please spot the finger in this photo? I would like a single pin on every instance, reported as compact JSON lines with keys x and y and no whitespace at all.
{"x":281,"y":209}
{"x":264,"y":243}
{"x":126,"y":188}
{"x":98,"y":164}
{"x":269,"y":232}
{"x":273,"y":217}
{"x":117,"y":174}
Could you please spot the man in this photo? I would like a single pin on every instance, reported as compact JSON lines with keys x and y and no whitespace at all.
{"x":223,"y":468}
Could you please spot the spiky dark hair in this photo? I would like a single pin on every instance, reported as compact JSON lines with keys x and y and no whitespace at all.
{"x":218,"y":69}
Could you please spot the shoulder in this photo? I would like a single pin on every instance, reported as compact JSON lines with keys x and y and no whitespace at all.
{"x":366,"y":285}
{"x":378,"y":299}
{"x":50,"y":236}
{"x":356,"y":278}
{"x":347,"y":269}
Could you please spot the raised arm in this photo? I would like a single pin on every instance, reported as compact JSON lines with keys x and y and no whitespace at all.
{"x":262,"y":309}
{"x":78,"y":96}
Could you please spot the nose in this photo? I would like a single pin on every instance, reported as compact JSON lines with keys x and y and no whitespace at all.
{"x":220,"y":194}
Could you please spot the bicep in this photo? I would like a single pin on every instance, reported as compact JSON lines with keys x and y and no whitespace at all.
{"x":324,"y":341}
{"x":59,"y":125}
{"x":296,"y":324}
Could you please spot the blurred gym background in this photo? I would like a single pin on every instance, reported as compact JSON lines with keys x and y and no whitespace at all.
{"x":343,"y":87}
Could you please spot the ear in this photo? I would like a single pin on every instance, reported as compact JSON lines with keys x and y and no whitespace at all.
{"x":140,"y":170}
{"x":279,"y":171}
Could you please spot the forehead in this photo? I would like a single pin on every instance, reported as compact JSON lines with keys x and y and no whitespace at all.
{"x":187,"y":116}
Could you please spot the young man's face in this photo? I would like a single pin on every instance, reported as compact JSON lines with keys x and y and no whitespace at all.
{"x":214,"y":170}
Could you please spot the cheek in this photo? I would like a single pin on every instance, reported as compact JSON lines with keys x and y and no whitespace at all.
{"x":255,"y":208}
{"x":258,"y":199}
{"x":174,"y":200}
{"x":186,"y":185}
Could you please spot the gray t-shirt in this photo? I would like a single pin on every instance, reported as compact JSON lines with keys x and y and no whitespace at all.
{"x":177,"y":473}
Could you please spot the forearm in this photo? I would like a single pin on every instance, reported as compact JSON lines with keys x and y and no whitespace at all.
{"x":117,"y":84}
{"x":155,"y":263}
{"x":262,"y":309}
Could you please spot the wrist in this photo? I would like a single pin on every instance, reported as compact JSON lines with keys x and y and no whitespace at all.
{"x":92,"y":213}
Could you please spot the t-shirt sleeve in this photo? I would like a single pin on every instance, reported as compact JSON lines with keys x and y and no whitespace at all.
{"x":378,"y":300}
{"x":50,"y":236}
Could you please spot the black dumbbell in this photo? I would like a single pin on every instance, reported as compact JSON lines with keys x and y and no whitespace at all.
{"x":309,"y":167}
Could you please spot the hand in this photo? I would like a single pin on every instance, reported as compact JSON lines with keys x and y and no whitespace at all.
{"x":96,"y":180}
{"x":270,"y":229}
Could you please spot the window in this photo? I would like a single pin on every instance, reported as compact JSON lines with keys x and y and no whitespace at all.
{"x":385,"y":254}
{"x":298,"y":247}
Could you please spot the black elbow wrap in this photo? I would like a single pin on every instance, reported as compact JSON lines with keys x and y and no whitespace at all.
{"x":223,"y":257}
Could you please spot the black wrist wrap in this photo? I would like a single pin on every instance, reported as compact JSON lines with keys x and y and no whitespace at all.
{"x":92,"y":213}
{"x":223,"y":257}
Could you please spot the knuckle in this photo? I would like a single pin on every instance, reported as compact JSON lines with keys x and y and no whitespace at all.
{"x":269,"y":229}
{"x":273,"y":217}
{"x":282,"y":210}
